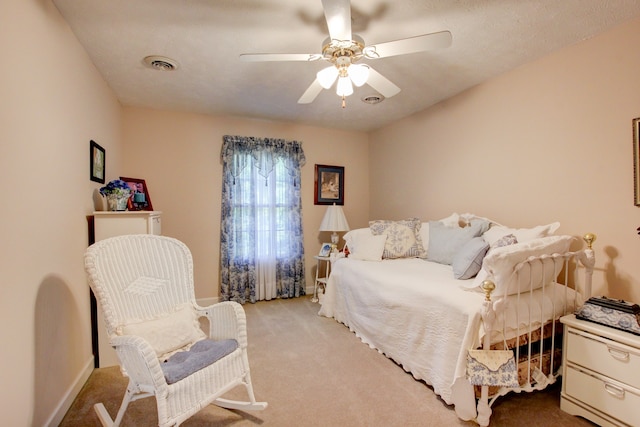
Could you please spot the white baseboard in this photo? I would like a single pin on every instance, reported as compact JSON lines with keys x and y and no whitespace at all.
{"x":58,"y":414}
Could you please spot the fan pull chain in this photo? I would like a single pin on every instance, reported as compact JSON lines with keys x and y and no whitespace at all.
{"x":344,"y":103}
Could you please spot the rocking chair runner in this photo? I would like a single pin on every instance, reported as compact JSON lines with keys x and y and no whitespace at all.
{"x":145,"y":286}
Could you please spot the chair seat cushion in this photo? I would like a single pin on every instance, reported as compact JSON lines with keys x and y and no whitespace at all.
{"x":200,"y":355}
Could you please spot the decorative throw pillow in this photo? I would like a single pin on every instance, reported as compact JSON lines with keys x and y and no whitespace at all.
{"x":445,"y":242}
{"x":403,"y":238}
{"x":168,"y":333}
{"x":522,"y":234}
{"x":507,"y":240}
{"x":468,"y":260}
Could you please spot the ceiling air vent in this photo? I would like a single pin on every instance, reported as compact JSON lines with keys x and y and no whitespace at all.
{"x":160,"y":63}
{"x":373,"y":99}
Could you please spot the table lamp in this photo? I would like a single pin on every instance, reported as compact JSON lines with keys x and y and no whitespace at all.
{"x":334,"y":221}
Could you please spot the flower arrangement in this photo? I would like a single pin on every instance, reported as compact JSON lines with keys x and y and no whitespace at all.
{"x":117,"y":187}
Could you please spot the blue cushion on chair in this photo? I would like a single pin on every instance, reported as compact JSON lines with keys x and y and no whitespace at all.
{"x":200,"y":355}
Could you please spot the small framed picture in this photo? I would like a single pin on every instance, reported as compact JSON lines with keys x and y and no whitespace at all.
{"x":325,"y":250}
{"x":96,"y":162}
{"x":329,"y":185}
{"x":139,"y":200}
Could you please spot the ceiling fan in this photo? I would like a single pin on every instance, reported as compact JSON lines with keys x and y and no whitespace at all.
{"x":344,"y":50}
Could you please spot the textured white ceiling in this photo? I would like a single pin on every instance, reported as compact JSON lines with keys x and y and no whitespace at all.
{"x":206,"y":37}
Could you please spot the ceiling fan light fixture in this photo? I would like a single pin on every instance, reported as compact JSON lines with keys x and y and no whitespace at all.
{"x":327,"y":76}
{"x":344,"y":88}
{"x":359,"y":74}
{"x":344,"y":50}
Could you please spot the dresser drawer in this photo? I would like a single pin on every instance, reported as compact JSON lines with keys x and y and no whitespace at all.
{"x":615,"y":360}
{"x":614,"y":398}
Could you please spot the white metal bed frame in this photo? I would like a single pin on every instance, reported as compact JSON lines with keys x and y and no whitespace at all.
{"x":567,"y":265}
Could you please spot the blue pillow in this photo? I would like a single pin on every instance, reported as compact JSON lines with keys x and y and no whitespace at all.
{"x":445,"y":242}
{"x":200,"y":355}
{"x":467,"y":262}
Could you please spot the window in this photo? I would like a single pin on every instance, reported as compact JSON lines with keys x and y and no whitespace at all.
{"x":262,"y":255}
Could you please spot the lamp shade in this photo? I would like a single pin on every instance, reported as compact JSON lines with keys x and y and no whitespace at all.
{"x":327,"y":76}
{"x":344,"y":87}
{"x":334,"y":219}
{"x":359,"y":74}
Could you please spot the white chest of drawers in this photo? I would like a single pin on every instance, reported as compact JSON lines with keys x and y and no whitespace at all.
{"x":600,"y":373}
{"x":110,"y":224}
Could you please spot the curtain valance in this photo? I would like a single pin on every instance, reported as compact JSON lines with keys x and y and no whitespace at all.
{"x":265,"y":151}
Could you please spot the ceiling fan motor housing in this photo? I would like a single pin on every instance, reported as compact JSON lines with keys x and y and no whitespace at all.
{"x":343,"y":52}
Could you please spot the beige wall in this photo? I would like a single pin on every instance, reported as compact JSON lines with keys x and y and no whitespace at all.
{"x":548,"y":141}
{"x":53,"y":102}
{"x":178,"y":155}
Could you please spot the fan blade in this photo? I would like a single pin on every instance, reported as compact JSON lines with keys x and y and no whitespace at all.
{"x":382,"y":84}
{"x":266,"y":57}
{"x":310,"y":94}
{"x":338,"y":16}
{"x":410,"y":45}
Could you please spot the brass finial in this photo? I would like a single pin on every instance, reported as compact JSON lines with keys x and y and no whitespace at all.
{"x":589,"y":238}
{"x":488,"y":286}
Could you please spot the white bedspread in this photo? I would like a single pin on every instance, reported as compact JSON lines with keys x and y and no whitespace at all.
{"x":417,"y":314}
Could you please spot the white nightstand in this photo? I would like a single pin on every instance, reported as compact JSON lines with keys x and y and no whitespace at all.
{"x":600,"y":373}
{"x":321,"y":281}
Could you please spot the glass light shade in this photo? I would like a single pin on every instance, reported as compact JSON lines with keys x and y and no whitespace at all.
{"x":359,"y":74}
{"x":344,"y":88}
{"x":327,"y":76}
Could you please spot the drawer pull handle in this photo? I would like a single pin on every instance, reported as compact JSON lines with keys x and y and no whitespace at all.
{"x":614,"y":390}
{"x":618,"y":354}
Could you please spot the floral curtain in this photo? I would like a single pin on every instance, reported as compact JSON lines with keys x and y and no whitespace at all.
{"x":261,"y":240}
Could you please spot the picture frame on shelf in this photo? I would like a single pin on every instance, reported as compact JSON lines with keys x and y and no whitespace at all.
{"x":325,"y":249}
{"x":139,"y":199}
{"x":636,"y":161}
{"x":329,"y":185}
{"x":97,"y":158}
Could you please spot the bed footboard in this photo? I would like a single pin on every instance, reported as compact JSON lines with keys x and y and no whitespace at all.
{"x":538,"y":360}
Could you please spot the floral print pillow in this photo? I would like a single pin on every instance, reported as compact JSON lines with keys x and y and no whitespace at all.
{"x":403,"y":238}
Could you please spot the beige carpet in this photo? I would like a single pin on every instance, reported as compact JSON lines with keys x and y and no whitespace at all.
{"x":314,"y":372}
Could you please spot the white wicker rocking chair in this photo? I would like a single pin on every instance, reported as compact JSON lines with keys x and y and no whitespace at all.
{"x":145,"y":286}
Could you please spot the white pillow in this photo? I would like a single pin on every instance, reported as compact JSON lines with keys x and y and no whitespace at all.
{"x":499,"y":265}
{"x":496,"y":232}
{"x":168,"y":333}
{"x":467,"y":217}
{"x":357,"y":237}
{"x":452,"y":220}
{"x":369,"y":248}
{"x":424,"y":235}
